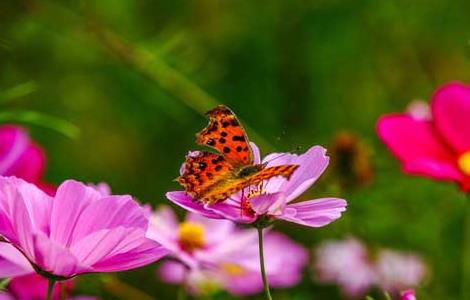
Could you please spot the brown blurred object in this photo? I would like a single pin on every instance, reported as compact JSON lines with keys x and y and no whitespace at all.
{"x":350,"y":161}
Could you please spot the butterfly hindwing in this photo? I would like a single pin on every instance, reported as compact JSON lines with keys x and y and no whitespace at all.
{"x":226,"y":188}
{"x":225,"y":134}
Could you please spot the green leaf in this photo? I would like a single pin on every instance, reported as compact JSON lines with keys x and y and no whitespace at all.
{"x":36,"y":118}
{"x":18,"y":91}
{"x":369,"y":298}
{"x":387,"y":296}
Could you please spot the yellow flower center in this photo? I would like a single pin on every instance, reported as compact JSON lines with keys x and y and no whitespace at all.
{"x":191,"y":236}
{"x":464,"y":163}
{"x":233,"y":269}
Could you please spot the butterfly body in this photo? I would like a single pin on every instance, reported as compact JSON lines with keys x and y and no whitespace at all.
{"x":211,"y":177}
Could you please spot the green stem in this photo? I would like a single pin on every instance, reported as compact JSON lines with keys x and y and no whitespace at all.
{"x":182,"y":292}
{"x":261,"y":263}
{"x":50,"y":289}
{"x":465,"y":286}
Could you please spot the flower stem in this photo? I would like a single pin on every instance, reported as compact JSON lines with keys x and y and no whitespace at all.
{"x":50,"y":289}
{"x":465,"y":286}
{"x":182,"y":292}
{"x":261,"y":263}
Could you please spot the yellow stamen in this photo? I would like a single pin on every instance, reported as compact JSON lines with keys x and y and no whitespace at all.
{"x":191,"y":236}
{"x":464,"y":163}
{"x":233,"y":269}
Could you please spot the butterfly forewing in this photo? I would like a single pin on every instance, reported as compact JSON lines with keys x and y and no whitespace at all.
{"x":225,"y":134}
{"x":202,"y":172}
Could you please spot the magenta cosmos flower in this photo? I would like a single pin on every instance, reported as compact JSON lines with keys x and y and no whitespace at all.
{"x":21,"y":157}
{"x":273,"y":198}
{"x":408,"y":295}
{"x":77,"y":231}
{"x":439,"y":147}
{"x":207,"y":260}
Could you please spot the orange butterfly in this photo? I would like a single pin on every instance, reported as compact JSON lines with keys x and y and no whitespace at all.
{"x":211,"y":177}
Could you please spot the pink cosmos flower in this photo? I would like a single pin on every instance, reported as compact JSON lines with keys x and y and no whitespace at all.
{"x":25,"y":283}
{"x":397,"y":270}
{"x":392,"y":271}
{"x":334,"y":262}
{"x":206,"y":260}
{"x":77,"y":231}
{"x":408,"y":295}
{"x":438,"y":148}
{"x":21,"y":157}
{"x":273,"y":199}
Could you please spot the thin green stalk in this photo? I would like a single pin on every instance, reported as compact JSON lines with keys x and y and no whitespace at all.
{"x":182,"y":292}
{"x":261,"y":263}
{"x":50,"y":289}
{"x":465,"y":284}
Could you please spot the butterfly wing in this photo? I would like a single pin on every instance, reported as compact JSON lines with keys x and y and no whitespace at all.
{"x":202,"y":171}
{"x":225,"y":134}
{"x":225,"y":188}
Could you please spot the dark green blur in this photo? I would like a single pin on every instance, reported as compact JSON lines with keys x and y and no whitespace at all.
{"x":118,"y":88}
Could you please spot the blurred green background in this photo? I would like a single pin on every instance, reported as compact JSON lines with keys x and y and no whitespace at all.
{"x":136,"y":76}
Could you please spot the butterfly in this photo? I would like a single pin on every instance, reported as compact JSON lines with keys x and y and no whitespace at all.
{"x":213,"y":177}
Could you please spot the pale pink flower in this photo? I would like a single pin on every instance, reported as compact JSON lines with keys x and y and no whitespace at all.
{"x":274,"y":198}
{"x":398,"y":270}
{"x":419,"y":110}
{"x":345,"y":263}
{"x":214,"y":254}
{"x":77,"y":231}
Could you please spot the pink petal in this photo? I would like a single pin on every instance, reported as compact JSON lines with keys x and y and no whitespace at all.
{"x":418,"y":146}
{"x":184,"y":200}
{"x":311,"y":165}
{"x":215,"y":230}
{"x":269,"y":204}
{"x":107,"y":213}
{"x":54,"y":258}
{"x":12,"y":262}
{"x":451,"y":110}
{"x":256,"y":153}
{"x":231,"y":210}
{"x":163,"y":225}
{"x":13,"y":142}
{"x":69,"y":203}
{"x":105,"y":243}
{"x":172,"y":272}
{"x":147,"y":253}
{"x":315,"y":213}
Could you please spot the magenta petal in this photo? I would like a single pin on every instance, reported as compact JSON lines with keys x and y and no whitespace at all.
{"x":315,"y":213}
{"x":270,"y":204}
{"x":187,"y":202}
{"x":451,"y":110}
{"x":417,"y":145}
